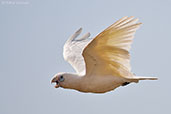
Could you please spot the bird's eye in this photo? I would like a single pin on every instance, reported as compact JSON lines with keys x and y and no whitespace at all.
{"x":61,"y":78}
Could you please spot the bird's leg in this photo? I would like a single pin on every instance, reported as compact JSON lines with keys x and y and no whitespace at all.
{"x":125,"y":83}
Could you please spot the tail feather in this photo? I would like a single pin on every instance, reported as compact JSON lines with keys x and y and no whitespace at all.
{"x":145,"y":78}
{"x":137,"y":78}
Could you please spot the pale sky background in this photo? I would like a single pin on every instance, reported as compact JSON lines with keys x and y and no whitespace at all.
{"x":32,"y":35}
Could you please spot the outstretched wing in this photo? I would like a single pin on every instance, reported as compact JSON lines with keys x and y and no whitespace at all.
{"x":72,"y":51}
{"x":108,"y":52}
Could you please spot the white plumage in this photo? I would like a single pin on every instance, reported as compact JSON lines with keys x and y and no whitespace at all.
{"x":73,"y":49}
{"x":103,"y":63}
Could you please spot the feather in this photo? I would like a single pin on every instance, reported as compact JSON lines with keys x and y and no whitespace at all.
{"x":75,"y":35}
{"x":72,"y":51}
{"x":110,"y":49}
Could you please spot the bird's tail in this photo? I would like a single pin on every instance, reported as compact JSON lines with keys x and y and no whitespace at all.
{"x":137,"y":78}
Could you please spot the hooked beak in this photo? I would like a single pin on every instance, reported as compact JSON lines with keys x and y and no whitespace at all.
{"x":55,"y":80}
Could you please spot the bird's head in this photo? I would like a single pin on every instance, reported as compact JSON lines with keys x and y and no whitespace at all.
{"x":67,"y":80}
{"x":59,"y":79}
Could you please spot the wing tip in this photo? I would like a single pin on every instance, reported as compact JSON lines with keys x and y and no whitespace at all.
{"x":75,"y":35}
{"x":79,"y":30}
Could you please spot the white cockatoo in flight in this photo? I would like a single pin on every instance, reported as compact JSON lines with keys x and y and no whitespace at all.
{"x":102,"y":63}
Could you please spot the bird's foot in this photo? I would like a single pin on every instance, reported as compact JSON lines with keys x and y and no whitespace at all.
{"x":125,"y":83}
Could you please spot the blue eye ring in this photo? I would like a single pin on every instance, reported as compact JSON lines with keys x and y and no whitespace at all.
{"x":61,"y":78}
